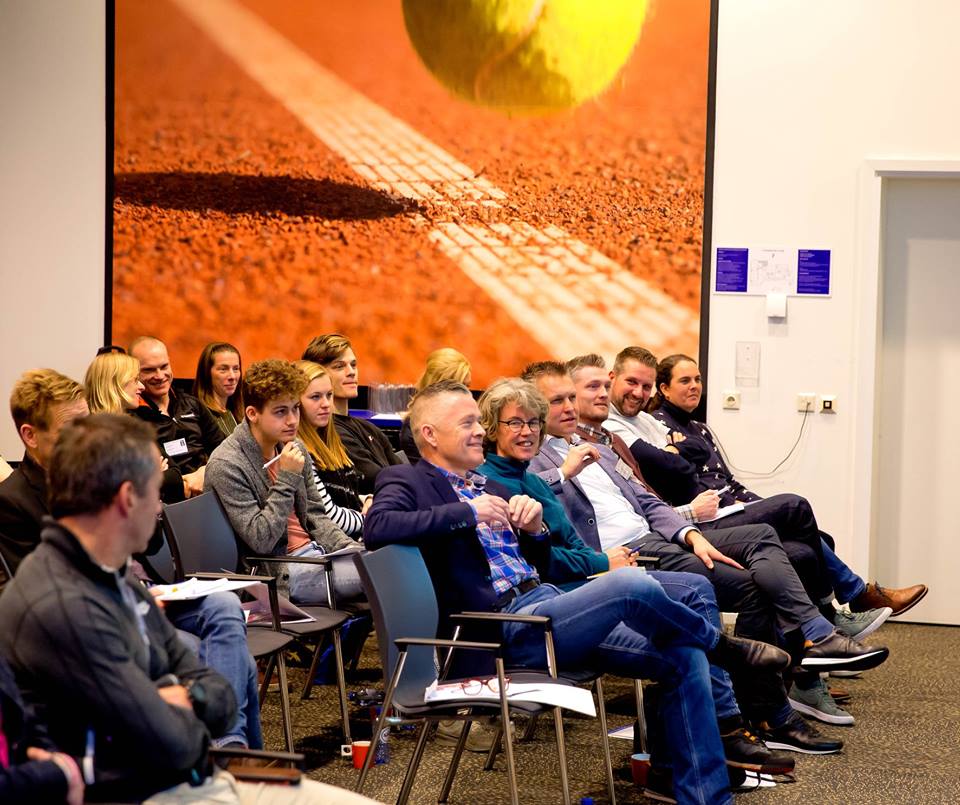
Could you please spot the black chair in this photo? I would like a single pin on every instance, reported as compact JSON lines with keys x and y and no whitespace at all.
{"x":405,"y":612}
{"x":202,"y":539}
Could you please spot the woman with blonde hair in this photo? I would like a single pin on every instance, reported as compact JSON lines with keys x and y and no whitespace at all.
{"x":112,"y":383}
{"x":442,"y":364}
{"x":217,"y":384}
{"x":336,"y":478}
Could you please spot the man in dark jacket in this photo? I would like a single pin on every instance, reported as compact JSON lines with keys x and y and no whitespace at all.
{"x":368,"y":448}
{"x":42,"y":402}
{"x":89,"y":648}
{"x":186,"y":431}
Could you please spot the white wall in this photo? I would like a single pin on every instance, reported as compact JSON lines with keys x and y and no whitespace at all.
{"x":806,"y":93}
{"x":52,"y":134}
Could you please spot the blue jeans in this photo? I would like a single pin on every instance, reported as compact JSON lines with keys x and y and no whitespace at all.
{"x":624,"y":623}
{"x":217,"y":620}
{"x":847,"y":585}
{"x":697,"y":593}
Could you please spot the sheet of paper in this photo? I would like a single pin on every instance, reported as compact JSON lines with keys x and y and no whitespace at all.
{"x":258,"y":611}
{"x":625,"y":733}
{"x":772,"y":271}
{"x":193,"y":588}
{"x":566,"y":696}
{"x":725,"y":511}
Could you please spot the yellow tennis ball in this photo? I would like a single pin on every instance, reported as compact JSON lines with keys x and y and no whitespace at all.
{"x":524,"y":56}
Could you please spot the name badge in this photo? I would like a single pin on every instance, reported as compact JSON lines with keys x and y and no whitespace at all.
{"x":624,"y":469}
{"x":175,"y":447}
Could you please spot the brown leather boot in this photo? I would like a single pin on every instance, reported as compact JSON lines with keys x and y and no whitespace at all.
{"x":899,"y":600}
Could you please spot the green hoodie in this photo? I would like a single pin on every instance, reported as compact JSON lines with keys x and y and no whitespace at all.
{"x":571,"y":560}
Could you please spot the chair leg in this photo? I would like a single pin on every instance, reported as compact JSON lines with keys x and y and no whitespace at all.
{"x":531,"y":728}
{"x":508,"y":738}
{"x":561,"y":754}
{"x":285,"y":701}
{"x":342,"y":686}
{"x":454,"y":762}
{"x":602,"y":713}
{"x":267,"y":676}
{"x":314,"y":662}
{"x":641,"y":716}
{"x":494,"y":749}
{"x":413,"y":765}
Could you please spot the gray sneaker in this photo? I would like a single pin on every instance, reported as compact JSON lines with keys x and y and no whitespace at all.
{"x":819,"y":704}
{"x":859,"y":624}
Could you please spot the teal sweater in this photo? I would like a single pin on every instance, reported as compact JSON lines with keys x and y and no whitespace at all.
{"x":571,"y":560}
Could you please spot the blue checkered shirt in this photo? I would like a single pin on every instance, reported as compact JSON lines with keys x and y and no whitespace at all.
{"x":508,"y":568}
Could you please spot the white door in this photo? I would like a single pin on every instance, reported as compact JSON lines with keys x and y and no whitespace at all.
{"x":916,"y":477}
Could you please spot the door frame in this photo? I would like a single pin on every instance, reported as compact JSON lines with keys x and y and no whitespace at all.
{"x":868,"y":323}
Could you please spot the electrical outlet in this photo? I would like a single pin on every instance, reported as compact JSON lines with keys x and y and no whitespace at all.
{"x":806,"y":401}
{"x":731,"y":401}
{"x":828,"y":404}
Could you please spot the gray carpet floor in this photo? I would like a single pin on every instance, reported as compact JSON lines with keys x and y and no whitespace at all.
{"x":903,"y":749}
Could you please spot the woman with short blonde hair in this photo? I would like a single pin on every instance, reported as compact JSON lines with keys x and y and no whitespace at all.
{"x":445,"y":364}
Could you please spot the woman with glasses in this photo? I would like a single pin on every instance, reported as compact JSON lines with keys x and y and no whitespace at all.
{"x":512,"y":414}
{"x":217,"y":384}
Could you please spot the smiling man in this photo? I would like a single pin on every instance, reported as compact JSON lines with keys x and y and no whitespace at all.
{"x":264,"y":479}
{"x":187,"y":432}
{"x":368,"y":448}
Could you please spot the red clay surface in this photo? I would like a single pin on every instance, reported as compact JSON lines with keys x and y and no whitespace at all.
{"x":232,"y":221}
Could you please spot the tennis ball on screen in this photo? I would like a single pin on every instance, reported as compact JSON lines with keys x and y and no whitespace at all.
{"x":524,"y":56}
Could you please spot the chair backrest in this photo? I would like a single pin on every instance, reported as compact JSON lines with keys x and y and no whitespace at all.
{"x":203,"y":537}
{"x":403,"y":603}
{"x":162,"y":563}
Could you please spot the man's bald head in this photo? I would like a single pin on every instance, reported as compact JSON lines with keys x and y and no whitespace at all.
{"x":155,"y":371}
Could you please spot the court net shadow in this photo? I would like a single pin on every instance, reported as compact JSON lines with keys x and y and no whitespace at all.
{"x":234,"y":194}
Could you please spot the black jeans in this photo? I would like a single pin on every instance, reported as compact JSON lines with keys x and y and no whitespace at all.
{"x":791,"y":516}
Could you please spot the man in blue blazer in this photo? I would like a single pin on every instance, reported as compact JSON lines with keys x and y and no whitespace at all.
{"x":481,"y":550}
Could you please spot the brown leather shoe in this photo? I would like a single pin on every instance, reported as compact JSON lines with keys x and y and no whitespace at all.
{"x":900,"y":600}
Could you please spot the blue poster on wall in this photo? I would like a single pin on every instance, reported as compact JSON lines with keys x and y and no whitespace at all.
{"x":732,"y":270}
{"x":813,"y":271}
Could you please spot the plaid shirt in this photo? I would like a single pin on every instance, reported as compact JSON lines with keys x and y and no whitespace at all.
{"x":508,"y":568}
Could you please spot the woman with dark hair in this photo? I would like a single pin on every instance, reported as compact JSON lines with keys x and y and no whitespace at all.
{"x":217,"y":384}
{"x":336,"y":478}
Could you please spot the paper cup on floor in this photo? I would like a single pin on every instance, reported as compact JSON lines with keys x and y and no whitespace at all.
{"x":360,"y":749}
{"x":639,"y":766}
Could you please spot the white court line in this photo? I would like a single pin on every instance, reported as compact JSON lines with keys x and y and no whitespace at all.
{"x":564,"y":293}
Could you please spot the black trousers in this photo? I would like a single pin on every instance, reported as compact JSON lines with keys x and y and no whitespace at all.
{"x":791,"y":516}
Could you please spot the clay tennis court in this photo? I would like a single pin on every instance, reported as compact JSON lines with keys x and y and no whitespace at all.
{"x":238,"y":216}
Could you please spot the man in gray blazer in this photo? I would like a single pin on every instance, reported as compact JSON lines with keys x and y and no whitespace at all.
{"x":747,"y":565}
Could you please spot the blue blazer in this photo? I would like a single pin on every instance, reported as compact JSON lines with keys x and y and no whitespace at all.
{"x":415,"y":505}
{"x":579,"y":509}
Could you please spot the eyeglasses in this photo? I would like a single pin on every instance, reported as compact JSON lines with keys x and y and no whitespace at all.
{"x":473,"y":687}
{"x":516,"y":425}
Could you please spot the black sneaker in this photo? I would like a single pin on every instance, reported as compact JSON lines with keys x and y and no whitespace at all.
{"x":796,"y":735}
{"x":744,"y":750}
{"x":837,"y":651}
{"x":738,"y":653}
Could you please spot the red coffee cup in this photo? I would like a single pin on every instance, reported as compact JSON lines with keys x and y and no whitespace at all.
{"x":360,"y":749}
{"x":639,"y":766}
